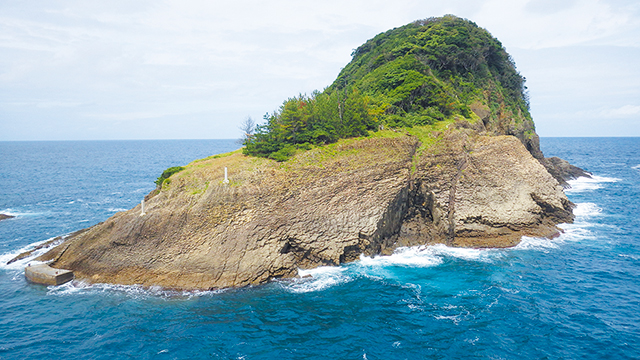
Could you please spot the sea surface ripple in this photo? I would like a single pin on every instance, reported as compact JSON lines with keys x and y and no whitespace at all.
{"x":573,"y":297}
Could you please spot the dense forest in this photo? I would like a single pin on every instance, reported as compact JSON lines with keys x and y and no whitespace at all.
{"x":418,"y":74}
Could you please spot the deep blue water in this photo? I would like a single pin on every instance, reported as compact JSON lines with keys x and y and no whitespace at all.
{"x":574,"y":297}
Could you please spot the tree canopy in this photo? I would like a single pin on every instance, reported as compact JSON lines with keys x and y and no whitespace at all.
{"x":417,"y":74}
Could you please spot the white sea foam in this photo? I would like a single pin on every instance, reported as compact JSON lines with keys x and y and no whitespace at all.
{"x":17,"y":213}
{"x":318,"y":279}
{"x":417,"y":256}
{"x":582,"y":184}
{"x":378,"y":267}
{"x":637,"y":167}
{"x":429,"y":256}
{"x":134,"y":291}
{"x":482,"y":255}
{"x":585,"y":210}
{"x":20,"y":264}
{"x":578,"y":231}
{"x":575,"y":232}
{"x":538,"y":244}
{"x":116,"y":209}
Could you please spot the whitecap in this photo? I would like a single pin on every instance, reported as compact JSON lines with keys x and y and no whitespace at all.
{"x":582,"y":184}
{"x":539,"y":244}
{"x":469,"y":254}
{"x":116,"y":209}
{"x":416,"y":256}
{"x":637,"y":167}
{"x":318,"y":279}
{"x":583,"y":210}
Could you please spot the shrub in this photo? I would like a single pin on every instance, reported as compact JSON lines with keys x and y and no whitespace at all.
{"x":167,"y":173}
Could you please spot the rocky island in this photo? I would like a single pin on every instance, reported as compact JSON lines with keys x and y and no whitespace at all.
{"x":425,"y":137}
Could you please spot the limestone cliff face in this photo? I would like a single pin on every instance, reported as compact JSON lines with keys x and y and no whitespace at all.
{"x":324,"y":207}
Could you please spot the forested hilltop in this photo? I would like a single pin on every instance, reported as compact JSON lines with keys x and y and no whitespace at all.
{"x":430,"y":71}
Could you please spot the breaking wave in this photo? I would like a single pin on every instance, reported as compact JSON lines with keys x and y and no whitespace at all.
{"x":318,"y":279}
{"x":583,"y":184}
{"x":586,"y":210}
{"x":20,"y":264}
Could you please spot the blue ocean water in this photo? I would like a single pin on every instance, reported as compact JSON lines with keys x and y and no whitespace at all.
{"x":574,"y":297}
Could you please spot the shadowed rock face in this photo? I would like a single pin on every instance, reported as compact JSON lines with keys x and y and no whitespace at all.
{"x":325,"y":207}
{"x":479,"y":191}
{"x":563,"y":171}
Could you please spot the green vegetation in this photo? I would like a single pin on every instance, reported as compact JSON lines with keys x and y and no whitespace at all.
{"x":167,"y":174}
{"x":420,"y":74}
{"x":304,"y":121}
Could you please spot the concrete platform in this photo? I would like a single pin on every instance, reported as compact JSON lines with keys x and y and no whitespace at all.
{"x":44,"y":274}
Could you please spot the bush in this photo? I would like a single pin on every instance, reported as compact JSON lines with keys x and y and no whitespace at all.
{"x":167,"y":173}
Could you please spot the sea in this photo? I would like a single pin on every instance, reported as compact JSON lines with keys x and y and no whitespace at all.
{"x":573,"y":297}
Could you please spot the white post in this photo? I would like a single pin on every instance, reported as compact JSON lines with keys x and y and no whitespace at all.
{"x":226,"y":179}
{"x":142,"y":208}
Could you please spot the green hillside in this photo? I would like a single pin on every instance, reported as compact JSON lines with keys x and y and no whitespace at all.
{"x":419,"y":74}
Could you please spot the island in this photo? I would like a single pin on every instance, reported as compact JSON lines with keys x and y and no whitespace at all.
{"x":425,"y":137}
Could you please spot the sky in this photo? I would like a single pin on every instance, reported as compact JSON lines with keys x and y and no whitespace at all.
{"x":189,"y":69}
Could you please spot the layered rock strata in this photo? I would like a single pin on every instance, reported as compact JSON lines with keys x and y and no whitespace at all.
{"x":324,"y":207}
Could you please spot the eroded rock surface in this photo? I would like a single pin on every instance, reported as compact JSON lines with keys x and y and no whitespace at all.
{"x":326,"y":206}
{"x":480,"y":191}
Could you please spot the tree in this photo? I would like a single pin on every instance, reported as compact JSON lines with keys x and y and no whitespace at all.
{"x":248,"y":127}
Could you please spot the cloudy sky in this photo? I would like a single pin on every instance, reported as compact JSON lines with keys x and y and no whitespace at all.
{"x":188,"y":69}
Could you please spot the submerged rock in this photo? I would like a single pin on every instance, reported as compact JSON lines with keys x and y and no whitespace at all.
{"x":324,"y":207}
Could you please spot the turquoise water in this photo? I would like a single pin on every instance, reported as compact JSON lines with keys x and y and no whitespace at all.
{"x":575,"y":297}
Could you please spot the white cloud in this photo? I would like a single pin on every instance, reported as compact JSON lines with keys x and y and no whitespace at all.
{"x":625,"y":111}
{"x":537,"y":24}
{"x":128,"y":60}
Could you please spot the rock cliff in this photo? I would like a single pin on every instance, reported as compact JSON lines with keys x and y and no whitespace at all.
{"x":324,"y":207}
